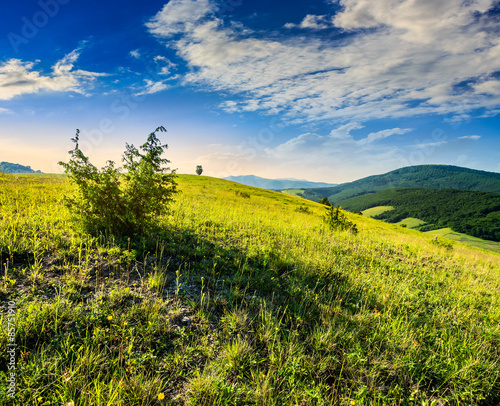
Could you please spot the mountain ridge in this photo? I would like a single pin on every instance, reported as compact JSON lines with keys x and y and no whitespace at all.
{"x":276,"y":184}
{"x":424,"y":176}
{"x":9,"y":167}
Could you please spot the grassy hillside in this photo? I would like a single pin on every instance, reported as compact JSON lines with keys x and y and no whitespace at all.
{"x":244,"y":299}
{"x":424,"y":176}
{"x":473,"y":213}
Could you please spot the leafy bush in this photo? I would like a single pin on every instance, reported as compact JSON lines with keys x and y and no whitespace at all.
{"x":122,"y":204}
{"x":335,"y":219}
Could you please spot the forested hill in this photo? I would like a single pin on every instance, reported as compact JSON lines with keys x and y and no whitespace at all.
{"x":424,"y":176}
{"x":7,"y":167}
{"x":468,"y":212}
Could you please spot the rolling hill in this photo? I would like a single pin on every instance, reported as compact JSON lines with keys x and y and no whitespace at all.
{"x":473,"y":213}
{"x":242,"y":297}
{"x":423,"y":176}
{"x":276,"y":184}
{"x":7,"y":167}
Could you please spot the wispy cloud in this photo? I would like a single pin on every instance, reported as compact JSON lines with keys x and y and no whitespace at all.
{"x":427,"y":145}
{"x":4,"y":111}
{"x":470,"y":137}
{"x":338,"y":141}
{"x":135,"y":54}
{"x":152,"y":87}
{"x":18,"y":77}
{"x":311,"y":21}
{"x":398,"y":59}
{"x":166,"y":65}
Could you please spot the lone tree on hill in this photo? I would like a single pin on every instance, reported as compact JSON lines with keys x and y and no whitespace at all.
{"x":123,"y":204}
{"x":199,"y":170}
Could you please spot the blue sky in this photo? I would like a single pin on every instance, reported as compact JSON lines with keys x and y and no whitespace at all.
{"x":325,"y":90}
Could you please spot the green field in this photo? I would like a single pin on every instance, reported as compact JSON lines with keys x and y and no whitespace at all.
{"x":466,"y":239}
{"x":375,"y":211}
{"x":243,"y":297}
{"x":411,"y":222}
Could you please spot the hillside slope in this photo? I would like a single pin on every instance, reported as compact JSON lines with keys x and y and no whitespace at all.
{"x":243,"y":297}
{"x":473,"y":213}
{"x":424,"y":176}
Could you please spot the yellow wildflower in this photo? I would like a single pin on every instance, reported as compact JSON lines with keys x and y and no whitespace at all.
{"x":161,"y":396}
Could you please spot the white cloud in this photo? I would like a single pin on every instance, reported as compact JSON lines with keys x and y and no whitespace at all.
{"x":168,"y":65}
{"x":312,"y":21}
{"x":470,"y":137}
{"x":178,"y":16}
{"x":152,"y":87}
{"x":135,"y":54}
{"x":490,"y":87}
{"x":410,"y":62}
{"x":4,"y":111}
{"x":372,"y":137}
{"x":339,"y":141}
{"x":18,"y":77}
{"x":428,"y":145}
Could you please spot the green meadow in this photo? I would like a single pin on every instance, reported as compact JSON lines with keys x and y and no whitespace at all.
{"x":243,"y":297}
{"x":375,"y":211}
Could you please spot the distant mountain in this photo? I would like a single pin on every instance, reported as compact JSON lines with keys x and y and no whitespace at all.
{"x":423,"y":176}
{"x":277,"y":184}
{"x":7,"y":167}
{"x":469,"y":212}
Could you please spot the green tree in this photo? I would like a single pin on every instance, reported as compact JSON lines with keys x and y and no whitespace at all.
{"x":199,"y":170}
{"x":325,"y":201}
{"x":125,"y":204}
{"x":335,"y":219}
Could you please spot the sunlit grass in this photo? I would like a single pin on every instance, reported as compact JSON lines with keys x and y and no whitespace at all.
{"x":244,"y":298}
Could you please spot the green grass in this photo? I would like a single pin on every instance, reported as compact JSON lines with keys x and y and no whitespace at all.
{"x":411,"y":222}
{"x":466,"y":239}
{"x":244,"y":298}
{"x":375,"y":211}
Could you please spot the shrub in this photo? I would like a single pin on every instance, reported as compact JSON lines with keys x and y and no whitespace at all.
{"x":303,"y":209}
{"x":242,"y":194}
{"x":335,"y":219}
{"x":122,"y":204}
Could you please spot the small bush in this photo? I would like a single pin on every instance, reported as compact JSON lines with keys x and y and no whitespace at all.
{"x":122,"y":204}
{"x":242,"y":194}
{"x":303,"y":209}
{"x":335,"y":219}
{"x":442,"y":243}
